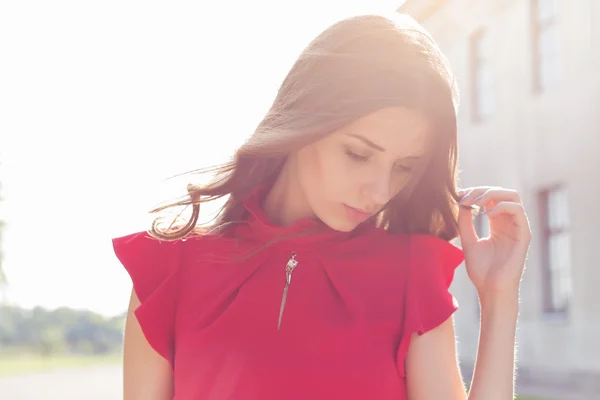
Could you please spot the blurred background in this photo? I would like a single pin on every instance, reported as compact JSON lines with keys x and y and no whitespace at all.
{"x":100,"y":102}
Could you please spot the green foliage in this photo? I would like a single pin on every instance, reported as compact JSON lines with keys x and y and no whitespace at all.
{"x":59,"y":331}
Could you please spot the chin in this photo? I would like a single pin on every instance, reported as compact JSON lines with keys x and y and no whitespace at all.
{"x":336,"y":219}
{"x":342,"y":225}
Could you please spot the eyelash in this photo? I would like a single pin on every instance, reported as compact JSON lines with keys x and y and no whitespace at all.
{"x":403,"y":168}
{"x":356,"y":157}
{"x":359,"y":158}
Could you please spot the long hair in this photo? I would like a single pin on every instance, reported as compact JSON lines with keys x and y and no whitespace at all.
{"x":355,"y":67}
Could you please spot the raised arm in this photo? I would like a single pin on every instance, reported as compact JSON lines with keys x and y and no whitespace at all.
{"x":495,"y":266}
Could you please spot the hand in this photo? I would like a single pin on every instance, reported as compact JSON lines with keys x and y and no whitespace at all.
{"x":495,"y":264}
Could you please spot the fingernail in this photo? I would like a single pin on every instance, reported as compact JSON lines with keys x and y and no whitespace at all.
{"x":487,"y":211}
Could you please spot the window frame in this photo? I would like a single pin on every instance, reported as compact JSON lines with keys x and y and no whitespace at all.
{"x":540,"y":24}
{"x":547,"y":233}
{"x":478,"y":60}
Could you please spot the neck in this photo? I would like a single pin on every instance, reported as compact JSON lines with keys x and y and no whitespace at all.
{"x":286,"y":202}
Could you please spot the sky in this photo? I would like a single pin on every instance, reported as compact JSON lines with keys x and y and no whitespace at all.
{"x":100,"y":102}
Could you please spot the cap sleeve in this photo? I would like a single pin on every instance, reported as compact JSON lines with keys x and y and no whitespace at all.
{"x":153,"y":265}
{"x":432,"y":262}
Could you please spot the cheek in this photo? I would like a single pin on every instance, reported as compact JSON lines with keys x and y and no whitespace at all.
{"x":310,"y":170}
{"x":406,"y":182}
{"x":335,"y":175}
{"x":322,"y":173}
{"x":400,"y":183}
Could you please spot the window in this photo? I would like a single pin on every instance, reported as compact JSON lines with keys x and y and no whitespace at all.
{"x":481,"y":76}
{"x":556,"y":249}
{"x":546,"y":62}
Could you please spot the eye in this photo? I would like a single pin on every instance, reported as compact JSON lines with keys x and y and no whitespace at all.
{"x":356,"y":157}
{"x":403,"y":168}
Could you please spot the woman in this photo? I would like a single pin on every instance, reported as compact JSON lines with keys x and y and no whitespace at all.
{"x":348,"y":187}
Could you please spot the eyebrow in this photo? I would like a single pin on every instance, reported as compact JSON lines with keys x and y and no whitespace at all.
{"x":379,"y":148}
{"x":367,"y":142}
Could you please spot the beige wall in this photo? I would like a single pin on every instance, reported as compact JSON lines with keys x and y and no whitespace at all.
{"x":531,"y":141}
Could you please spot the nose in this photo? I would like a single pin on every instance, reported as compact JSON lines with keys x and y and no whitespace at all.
{"x":379,"y":191}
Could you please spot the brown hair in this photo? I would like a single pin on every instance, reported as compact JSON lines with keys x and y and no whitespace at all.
{"x":356,"y":66}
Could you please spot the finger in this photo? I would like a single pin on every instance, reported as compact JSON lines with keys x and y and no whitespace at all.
{"x":466,"y":229}
{"x":462,"y":193}
{"x":494,"y":195}
{"x":472,"y":193}
{"x":515,"y":210}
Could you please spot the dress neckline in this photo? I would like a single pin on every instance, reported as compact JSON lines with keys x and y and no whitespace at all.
{"x":304,"y":231}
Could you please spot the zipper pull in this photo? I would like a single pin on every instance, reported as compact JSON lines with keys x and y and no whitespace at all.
{"x":289,"y":268}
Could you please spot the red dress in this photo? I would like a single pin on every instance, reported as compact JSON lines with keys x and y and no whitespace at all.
{"x":211,"y":304}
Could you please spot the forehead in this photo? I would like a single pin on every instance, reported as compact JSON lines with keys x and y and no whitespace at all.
{"x":400,"y":131}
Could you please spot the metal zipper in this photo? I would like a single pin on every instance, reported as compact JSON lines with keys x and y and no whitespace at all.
{"x":289,"y":268}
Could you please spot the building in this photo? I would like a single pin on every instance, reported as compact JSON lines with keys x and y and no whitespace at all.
{"x":529,"y":76}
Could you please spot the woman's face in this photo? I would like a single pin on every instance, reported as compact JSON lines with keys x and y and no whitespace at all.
{"x":351,"y":174}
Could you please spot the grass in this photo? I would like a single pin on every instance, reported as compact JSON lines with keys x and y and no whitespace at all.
{"x":17,"y":364}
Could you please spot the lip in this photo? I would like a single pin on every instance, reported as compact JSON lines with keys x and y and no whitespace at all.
{"x":356,"y":214}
